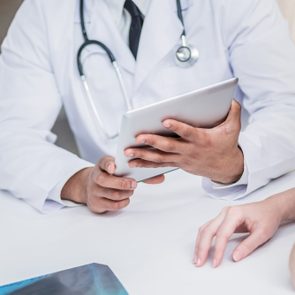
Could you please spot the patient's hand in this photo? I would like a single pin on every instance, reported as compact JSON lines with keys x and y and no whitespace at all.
{"x":261,"y":220}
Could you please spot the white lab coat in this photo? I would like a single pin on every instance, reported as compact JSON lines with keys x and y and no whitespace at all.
{"x":38,"y":74}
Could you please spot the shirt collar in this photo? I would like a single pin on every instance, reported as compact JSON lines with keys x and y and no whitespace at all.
{"x":116,"y":8}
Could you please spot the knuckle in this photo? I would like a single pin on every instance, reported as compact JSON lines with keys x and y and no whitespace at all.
{"x":139,"y":154}
{"x":203,"y":229}
{"x":116,"y":195}
{"x":150,"y":140}
{"x":207,"y":140}
{"x":168,"y":146}
{"x":123,"y":184}
{"x":200,"y":231}
{"x":234,"y":211}
{"x":222,"y":236}
{"x":95,"y":206}
{"x":100,"y":178}
{"x":236,"y":214}
{"x":159,"y":159}
{"x":186,"y":132}
{"x":174,"y":127}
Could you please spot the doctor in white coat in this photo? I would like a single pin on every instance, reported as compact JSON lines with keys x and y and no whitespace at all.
{"x":38,"y":74}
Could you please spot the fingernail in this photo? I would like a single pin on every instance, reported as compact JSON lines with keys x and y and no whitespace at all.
{"x":199,"y":262}
{"x":129,"y":154}
{"x":110,"y":167}
{"x":166,"y":124}
{"x":237,"y":256}
{"x":215,"y":263}
{"x":133,"y":185}
{"x":140,"y":140}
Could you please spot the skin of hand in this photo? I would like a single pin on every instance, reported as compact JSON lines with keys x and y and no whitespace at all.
{"x":292,"y":265}
{"x":212,"y":153}
{"x":261,"y":220}
{"x":100,"y":189}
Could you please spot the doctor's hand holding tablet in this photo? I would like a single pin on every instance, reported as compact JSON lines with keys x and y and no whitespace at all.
{"x":213,"y":153}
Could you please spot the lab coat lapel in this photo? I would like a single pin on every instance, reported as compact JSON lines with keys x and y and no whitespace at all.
{"x":160,"y":34}
{"x":113,"y":39}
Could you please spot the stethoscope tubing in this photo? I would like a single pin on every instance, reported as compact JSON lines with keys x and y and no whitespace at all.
{"x":186,"y":55}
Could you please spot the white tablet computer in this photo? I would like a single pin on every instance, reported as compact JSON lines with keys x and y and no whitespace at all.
{"x":204,"y":107}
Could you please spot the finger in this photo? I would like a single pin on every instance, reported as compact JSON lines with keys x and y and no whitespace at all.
{"x":250,"y":244}
{"x":107,"y":164}
{"x":224,"y":232}
{"x":235,"y":112}
{"x":155,"y":180}
{"x":113,"y":194}
{"x":196,"y":260}
{"x":162,"y":143}
{"x":185,"y":131}
{"x":204,"y":239}
{"x":150,"y":155}
{"x":138,"y":163}
{"x":102,"y":205}
{"x":114,"y":182}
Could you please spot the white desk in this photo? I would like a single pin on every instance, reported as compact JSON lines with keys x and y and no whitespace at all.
{"x":149,"y":245}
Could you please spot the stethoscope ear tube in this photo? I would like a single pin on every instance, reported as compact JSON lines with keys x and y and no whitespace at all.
{"x":82,"y":21}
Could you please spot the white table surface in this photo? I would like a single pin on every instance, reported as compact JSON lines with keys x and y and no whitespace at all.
{"x":149,"y":245}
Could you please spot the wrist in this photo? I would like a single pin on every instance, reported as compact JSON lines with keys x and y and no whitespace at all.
{"x":284,"y":204}
{"x":75,"y":188}
{"x":232,"y":168}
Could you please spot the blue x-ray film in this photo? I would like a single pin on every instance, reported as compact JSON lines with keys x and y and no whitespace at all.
{"x":92,"y":279}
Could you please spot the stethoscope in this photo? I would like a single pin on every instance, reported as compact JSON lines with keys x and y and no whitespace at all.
{"x":185,"y":55}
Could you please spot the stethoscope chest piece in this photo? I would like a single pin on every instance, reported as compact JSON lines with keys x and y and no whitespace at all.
{"x":186,"y":55}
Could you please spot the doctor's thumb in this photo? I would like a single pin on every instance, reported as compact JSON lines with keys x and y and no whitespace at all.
{"x":232,"y":123}
{"x":108,"y":165}
{"x":235,"y":111}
